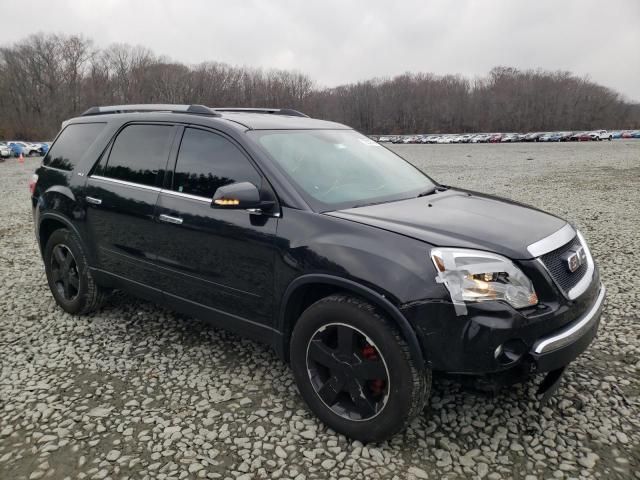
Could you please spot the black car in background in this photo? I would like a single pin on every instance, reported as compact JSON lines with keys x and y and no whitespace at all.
{"x":357,"y":268}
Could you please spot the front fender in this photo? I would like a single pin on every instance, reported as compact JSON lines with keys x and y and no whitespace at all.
{"x":375,"y":298}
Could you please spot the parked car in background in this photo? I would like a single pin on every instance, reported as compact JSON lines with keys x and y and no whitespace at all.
{"x":600,"y":135}
{"x":482,"y":138}
{"x":495,"y":138}
{"x":581,"y":137}
{"x":545,"y":137}
{"x":5,"y":151}
{"x":555,"y":137}
{"x":43,"y":148}
{"x":16,"y":149}
{"x":509,"y":137}
{"x":565,"y":136}
{"x":635,"y":134}
{"x":27,"y":149}
{"x":532,"y":137}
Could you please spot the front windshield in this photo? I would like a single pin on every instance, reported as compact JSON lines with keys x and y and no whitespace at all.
{"x":336,"y":169}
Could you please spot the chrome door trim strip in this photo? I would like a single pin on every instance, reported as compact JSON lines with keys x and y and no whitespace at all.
{"x":186,"y":195}
{"x":125,"y":183}
{"x":552,"y":242}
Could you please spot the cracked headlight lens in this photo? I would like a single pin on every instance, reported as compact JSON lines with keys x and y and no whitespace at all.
{"x":477,"y":276}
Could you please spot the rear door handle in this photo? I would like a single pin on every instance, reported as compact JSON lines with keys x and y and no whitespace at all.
{"x":95,"y":201}
{"x":168,"y":219}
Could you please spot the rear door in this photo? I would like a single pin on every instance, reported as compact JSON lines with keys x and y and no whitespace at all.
{"x":121,"y":194}
{"x":215,"y":262}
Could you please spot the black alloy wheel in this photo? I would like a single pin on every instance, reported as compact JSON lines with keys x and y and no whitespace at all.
{"x":69,"y":276}
{"x":64,"y":273}
{"x":348,"y":372}
{"x":355,"y":370}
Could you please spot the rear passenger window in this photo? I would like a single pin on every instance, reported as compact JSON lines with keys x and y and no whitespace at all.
{"x":72,"y":144}
{"x":138,"y":153}
{"x":207,"y":161}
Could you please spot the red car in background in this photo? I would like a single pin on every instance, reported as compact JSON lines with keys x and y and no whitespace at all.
{"x":581,"y":137}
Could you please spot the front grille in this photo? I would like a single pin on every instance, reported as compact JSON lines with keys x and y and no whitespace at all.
{"x":557,"y":267}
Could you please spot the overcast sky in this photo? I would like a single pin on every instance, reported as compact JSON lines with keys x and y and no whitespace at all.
{"x":337,"y":41}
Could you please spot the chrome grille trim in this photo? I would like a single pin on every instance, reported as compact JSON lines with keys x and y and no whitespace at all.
{"x":585,"y":281}
{"x":583,"y":284}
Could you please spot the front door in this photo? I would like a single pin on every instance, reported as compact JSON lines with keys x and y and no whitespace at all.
{"x":219,"y":262}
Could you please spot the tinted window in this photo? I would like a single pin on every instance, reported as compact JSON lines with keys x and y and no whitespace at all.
{"x":207,"y":161}
{"x":138,"y":153}
{"x":72,"y":144}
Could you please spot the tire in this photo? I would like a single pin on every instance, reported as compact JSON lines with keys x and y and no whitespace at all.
{"x":397,"y":399}
{"x":79,"y":294}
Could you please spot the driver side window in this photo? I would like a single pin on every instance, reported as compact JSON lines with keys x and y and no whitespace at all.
{"x":207,"y":161}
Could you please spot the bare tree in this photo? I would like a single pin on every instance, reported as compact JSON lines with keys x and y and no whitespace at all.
{"x":47,"y":78}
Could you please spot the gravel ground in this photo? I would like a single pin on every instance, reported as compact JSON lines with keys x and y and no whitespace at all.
{"x":140,"y":392}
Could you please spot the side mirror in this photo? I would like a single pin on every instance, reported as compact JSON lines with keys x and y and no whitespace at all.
{"x":240,"y":196}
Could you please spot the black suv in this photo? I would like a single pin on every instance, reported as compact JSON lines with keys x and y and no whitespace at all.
{"x":357,"y":268}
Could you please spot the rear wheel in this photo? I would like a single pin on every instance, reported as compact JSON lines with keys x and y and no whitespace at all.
{"x":68,"y":274}
{"x":355,"y":370}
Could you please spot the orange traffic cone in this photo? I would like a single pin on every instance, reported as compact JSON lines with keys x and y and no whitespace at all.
{"x":21,"y":158}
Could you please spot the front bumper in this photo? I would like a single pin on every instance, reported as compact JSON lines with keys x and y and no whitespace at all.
{"x":494,"y":338}
{"x":563,"y":346}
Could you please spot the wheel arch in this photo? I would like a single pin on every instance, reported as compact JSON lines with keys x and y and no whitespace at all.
{"x":50,"y":222}
{"x":307,"y":289}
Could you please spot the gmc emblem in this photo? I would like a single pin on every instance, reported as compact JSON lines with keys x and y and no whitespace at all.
{"x":574,"y":259}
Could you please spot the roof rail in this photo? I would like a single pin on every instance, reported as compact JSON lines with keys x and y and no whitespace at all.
{"x":272,"y":111}
{"x":151,"y":107}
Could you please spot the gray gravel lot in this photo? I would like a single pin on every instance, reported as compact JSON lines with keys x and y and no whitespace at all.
{"x":140,"y":392}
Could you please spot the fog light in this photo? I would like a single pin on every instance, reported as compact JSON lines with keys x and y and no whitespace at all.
{"x":510,"y":351}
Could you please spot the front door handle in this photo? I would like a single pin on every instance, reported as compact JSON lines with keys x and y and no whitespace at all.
{"x":169,"y":219}
{"x":95,"y":201}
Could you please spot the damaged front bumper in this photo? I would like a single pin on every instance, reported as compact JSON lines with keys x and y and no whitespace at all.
{"x":561,"y":347}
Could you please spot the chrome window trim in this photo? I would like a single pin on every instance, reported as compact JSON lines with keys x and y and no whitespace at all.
{"x":56,"y":169}
{"x":552,"y":242}
{"x":575,"y":330}
{"x":187,"y":195}
{"x":125,"y":183}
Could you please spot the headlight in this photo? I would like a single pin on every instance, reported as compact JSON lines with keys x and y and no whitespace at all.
{"x":476,"y":276}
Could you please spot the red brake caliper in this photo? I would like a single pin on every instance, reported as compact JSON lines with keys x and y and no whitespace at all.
{"x":377,"y":384}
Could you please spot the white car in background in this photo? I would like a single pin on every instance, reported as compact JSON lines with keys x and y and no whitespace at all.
{"x":480,"y":138}
{"x":600,"y":135}
{"x":5,"y":151}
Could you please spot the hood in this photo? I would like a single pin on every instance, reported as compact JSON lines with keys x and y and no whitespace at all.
{"x":457,"y":218}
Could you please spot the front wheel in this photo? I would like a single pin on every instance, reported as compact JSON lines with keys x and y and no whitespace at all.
{"x":354,"y":369}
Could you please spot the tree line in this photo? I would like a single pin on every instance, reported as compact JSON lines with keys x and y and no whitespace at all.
{"x":47,"y":78}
